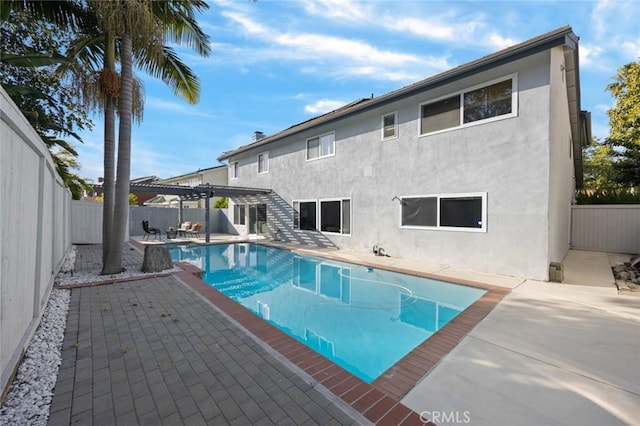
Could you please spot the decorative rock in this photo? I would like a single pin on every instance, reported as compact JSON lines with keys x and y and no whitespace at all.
{"x":619,"y":268}
{"x":156,"y":259}
{"x":635,"y":263}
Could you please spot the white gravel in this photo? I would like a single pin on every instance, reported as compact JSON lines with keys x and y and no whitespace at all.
{"x":29,"y":398}
{"x":68,"y":277}
{"x":28,"y":401}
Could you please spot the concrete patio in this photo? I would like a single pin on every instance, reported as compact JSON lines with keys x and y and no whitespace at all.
{"x":548,"y":354}
{"x":152,"y":351}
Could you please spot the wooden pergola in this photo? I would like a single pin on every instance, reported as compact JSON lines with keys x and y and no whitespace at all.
{"x":194,"y":193}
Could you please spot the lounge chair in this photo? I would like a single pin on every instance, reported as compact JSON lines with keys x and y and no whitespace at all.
{"x":195,"y":230}
{"x":150,"y":231}
{"x":183,"y":228}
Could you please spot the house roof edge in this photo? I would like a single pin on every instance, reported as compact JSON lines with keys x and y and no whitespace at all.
{"x":561,"y":36}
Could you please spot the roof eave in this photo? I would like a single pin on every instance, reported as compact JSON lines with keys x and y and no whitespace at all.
{"x":559,"y":37}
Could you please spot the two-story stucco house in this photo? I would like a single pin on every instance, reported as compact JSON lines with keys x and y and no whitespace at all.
{"x":474,"y":167}
{"x":216,"y":175}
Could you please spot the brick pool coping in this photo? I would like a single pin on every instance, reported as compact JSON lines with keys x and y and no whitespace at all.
{"x":379,"y":401}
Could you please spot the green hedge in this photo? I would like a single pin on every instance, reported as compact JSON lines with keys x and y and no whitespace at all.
{"x":608,"y":196}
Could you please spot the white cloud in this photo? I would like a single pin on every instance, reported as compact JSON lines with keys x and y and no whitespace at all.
{"x":615,"y":28}
{"x":338,"y":9}
{"x":148,"y":160}
{"x":450,"y":27}
{"x":599,"y":17}
{"x":249,"y":26}
{"x":631,"y":49}
{"x":323,"y":105}
{"x":175,"y":107}
{"x":497,"y":41}
{"x":590,"y":55}
{"x":433,"y":29}
{"x":335,"y":56}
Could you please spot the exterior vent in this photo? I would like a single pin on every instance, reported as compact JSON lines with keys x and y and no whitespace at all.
{"x":556,"y":272}
{"x":257,"y":135}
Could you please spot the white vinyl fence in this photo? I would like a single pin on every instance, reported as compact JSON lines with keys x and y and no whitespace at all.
{"x":86,"y":223}
{"x":610,"y":228}
{"x":35,"y":232}
{"x":87,"y":220}
{"x":163,"y":218}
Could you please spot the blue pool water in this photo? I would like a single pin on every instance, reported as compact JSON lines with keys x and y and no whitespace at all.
{"x":363,"y":319}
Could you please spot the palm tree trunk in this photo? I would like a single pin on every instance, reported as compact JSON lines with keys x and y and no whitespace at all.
{"x":113,"y":263}
{"x":108,"y":186}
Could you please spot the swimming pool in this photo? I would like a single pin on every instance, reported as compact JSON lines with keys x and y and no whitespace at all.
{"x":363,"y":319}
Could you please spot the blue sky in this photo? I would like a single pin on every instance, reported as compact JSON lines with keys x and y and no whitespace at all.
{"x":276,"y":63}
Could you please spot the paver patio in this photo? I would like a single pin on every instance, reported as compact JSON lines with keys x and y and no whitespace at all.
{"x":152,"y":352}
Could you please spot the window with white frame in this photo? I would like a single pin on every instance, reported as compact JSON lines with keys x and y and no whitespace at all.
{"x":335,"y":216}
{"x":263,"y":162}
{"x":492,"y":101}
{"x":465,"y":212}
{"x":390,"y":126}
{"x":239,"y":214}
{"x":321,"y":146}
{"x":305,"y":215}
{"x":233,"y":170}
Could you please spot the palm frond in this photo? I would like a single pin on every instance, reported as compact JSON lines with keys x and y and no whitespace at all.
{"x":34,"y":59}
{"x":180,"y":25}
{"x":66,"y":13}
{"x":171,"y":70}
{"x":87,"y":51}
{"x":53,"y":142}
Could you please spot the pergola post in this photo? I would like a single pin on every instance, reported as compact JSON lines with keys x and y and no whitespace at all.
{"x":206,"y":216}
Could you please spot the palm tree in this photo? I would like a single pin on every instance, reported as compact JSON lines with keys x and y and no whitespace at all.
{"x":27,"y":67}
{"x":104,"y":27}
{"x":153,"y":22}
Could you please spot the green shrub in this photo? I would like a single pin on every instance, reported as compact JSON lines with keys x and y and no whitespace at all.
{"x":608,"y":196}
{"x":221,"y":203}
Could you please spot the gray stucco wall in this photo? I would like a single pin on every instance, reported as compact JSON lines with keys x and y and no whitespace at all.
{"x":561,"y":171}
{"x":509,"y":159}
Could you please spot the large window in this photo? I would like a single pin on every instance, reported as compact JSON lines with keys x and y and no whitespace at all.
{"x":491,"y":101}
{"x":487,"y":102}
{"x":390,"y":126}
{"x":238,"y":214}
{"x":441,"y":115}
{"x":455,"y":212}
{"x":263,"y":162}
{"x":305,"y":215}
{"x":321,"y":146}
{"x":335,"y":216}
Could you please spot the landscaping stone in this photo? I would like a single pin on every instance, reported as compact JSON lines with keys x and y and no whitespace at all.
{"x":627,"y":276}
{"x":156,"y":259}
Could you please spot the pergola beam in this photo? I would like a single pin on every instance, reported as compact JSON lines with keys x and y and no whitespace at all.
{"x":193,"y":192}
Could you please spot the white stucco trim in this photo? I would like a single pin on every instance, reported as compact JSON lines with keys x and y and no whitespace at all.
{"x":319,"y":157}
{"x":233,"y":170}
{"x":266,"y":155}
{"x":395,"y":123}
{"x":319,"y":215}
{"x":483,"y":229}
{"x":514,"y":105}
{"x":293,"y":214}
